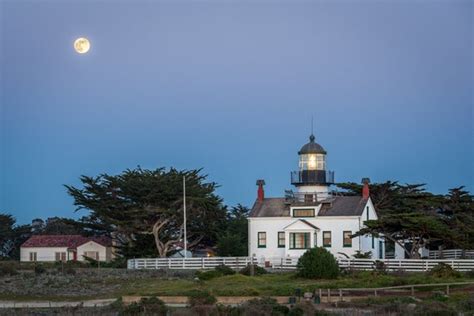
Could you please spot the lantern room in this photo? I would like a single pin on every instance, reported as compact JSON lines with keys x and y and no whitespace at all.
{"x":312,"y":166}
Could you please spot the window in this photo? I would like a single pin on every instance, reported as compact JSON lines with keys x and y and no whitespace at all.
{"x":310,"y":198}
{"x":60,"y":256}
{"x":302,"y":212}
{"x":299,"y":240}
{"x":346,"y":237}
{"x":315,"y":239}
{"x":367,"y":213}
{"x":281,"y":239}
{"x":92,"y":254}
{"x":327,"y":239}
{"x":262,"y":240}
{"x":33,"y":256}
{"x":373,"y":242}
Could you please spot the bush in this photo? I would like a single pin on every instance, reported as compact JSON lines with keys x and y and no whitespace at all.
{"x":225,"y":270}
{"x":362,"y":255}
{"x":146,"y":306}
{"x":380,"y":267}
{"x":40,"y":269}
{"x":317,"y":263}
{"x":208,"y":275}
{"x":443,"y":270}
{"x":199,"y":298}
{"x":7,"y":269}
{"x":257,"y":270}
{"x":264,"y":306}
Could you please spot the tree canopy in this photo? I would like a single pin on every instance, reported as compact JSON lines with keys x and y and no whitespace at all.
{"x":408,"y":213}
{"x":142,"y":202}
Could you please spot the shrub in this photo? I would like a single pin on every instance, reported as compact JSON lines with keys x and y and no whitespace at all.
{"x":7,"y":269}
{"x":198,"y":298}
{"x":257,"y":270}
{"x":380,"y":267}
{"x":264,"y":306}
{"x":362,"y":255}
{"x":146,"y":306}
{"x":208,"y":275}
{"x":317,"y":263}
{"x":443,"y":270}
{"x":40,"y":269}
{"x":225,"y":270}
{"x":70,"y":271}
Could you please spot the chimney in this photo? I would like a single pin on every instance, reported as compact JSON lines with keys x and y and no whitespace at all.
{"x":260,"y":192}
{"x":365,"y":188}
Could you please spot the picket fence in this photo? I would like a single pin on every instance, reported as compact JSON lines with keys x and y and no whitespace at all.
{"x":289,"y":263}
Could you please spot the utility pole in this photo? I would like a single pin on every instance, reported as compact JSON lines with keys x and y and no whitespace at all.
{"x":184,"y":210}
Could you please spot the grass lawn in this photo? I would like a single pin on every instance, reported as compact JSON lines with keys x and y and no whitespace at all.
{"x":116,"y":283}
{"x":279,"y":284}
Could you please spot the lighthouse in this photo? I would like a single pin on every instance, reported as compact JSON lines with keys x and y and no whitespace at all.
{"x":312,"y":180}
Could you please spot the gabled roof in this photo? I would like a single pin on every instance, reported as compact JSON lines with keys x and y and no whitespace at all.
{"x":343,"y":206}
{"x":69,"y":241}
{"x":336,"y":206}
{"x":304,"y":222}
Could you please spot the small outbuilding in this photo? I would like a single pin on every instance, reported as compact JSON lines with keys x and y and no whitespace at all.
{"x":44,"y":248}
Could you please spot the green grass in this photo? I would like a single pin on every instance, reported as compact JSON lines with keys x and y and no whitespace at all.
{"x":278,"y":284}
{"x":281,"y":284}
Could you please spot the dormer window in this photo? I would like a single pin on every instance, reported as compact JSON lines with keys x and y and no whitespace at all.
{"x":303,"y":212}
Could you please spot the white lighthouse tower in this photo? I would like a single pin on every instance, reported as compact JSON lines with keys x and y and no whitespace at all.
{"x":312,"y":180}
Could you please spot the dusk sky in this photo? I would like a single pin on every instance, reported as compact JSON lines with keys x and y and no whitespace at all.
{"x":230,"y":87}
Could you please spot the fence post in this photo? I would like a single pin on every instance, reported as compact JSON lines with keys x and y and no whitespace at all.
{"x":412,"y":291}
{"x":329,"y":295}
{"x":447,"y":289}
{"x":426,"y":265}
{"x":340,"y":295}
{"x":169,"y":263}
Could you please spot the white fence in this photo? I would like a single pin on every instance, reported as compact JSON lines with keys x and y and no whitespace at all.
{"x":289,"y":263}
{"x":451,"y":254}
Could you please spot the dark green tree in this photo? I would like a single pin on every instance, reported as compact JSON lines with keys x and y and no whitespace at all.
{"x":150,"y":202}
{"x":232,"y":240}
{"x":12,"y":236}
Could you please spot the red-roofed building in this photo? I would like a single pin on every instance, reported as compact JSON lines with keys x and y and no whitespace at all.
{"x":65,"y":248}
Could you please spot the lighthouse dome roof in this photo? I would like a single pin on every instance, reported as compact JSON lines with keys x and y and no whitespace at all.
{"x":312,"y":147}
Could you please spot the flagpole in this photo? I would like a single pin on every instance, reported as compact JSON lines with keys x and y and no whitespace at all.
{"x":184,"y":210}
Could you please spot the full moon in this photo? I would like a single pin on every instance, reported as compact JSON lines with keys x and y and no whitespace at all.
{"x":82,"y":45}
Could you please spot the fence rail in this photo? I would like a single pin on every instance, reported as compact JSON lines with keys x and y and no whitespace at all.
{"x":289,"y":263}
{"x":451,"y":254}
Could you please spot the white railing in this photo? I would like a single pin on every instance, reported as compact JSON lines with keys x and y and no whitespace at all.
{"x":451,"y":254}
{"x":289,"y":263}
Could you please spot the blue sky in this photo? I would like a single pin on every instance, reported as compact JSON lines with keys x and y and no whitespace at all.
{"x":231,"y":87}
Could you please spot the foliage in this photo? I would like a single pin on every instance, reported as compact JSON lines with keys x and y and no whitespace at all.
{"x":146,"y":306}
{"x":199,"y":297}
{"x":318,"y":263}
{"x":409,"y":212}
{"x":362,"y":255}
{"x":225,"y":270}
{"x":208,"y":275}
{"x":150,"y":202}
{"x":380,"y":267}
{"x":218,"y":271}
{"x":257,"y":270}
{"x":11,"y":236}
{"x":443,"y":270}
{"x":232,"y":240}
{"x":264,"y":306}
{"x":7,"y":270}
{"x":40,"y":269}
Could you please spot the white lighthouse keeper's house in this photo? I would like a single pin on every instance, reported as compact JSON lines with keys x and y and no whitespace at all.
{"x":312,"y":216}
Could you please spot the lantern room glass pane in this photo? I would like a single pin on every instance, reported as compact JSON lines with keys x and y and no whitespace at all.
{"x":312,"y":162}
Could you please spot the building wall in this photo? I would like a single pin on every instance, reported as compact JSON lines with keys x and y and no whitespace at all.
{"x":104,"y":254}
{"x":43,"y":253}
{"x":335,"y":224}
